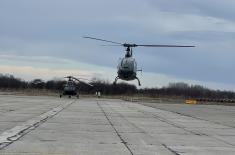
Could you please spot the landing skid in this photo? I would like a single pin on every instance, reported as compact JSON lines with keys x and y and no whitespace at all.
{"x":138,"y":80}
{"x":115,"y":81}
{"x":69,"y":96}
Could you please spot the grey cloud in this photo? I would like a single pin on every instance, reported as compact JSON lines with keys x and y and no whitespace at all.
{"x":54,"y":28}
{"x":214,"y":8}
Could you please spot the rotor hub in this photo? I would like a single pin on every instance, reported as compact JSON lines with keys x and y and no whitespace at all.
{"x":129,"y":45}
{"x":128,"y":52}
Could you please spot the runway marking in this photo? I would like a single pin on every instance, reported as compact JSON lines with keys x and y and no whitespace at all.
{"x":13,"y":134}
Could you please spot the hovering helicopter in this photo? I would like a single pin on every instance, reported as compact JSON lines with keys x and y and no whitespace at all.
{"x":127,"y":66}
{"x":70,"y":87}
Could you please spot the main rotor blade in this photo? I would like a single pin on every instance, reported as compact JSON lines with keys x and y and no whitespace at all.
{"x":111,"y":45}
{"x":133,"y":45}
{"x":75,"y":78}
{"x":87,"y":83}
{"x":164,"y":46}
{"x":82,"y":81}
{"x":68,"y":77}
{"x":102,"y":40}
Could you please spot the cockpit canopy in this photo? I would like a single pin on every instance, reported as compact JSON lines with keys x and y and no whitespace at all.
{"x":127,"y":64}
{"x":70,"y":86}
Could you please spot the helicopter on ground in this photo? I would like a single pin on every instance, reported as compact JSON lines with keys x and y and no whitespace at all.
{"x":71,"y":87}
{"x":127,"y":66}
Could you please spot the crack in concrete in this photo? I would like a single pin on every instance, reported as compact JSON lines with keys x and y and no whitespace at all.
{"x":168,"y":148}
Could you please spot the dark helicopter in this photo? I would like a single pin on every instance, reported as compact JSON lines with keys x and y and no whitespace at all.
{"x":71,"y":87}
{"x":127,"y":66}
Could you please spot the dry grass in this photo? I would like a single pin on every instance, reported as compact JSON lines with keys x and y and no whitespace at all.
{"x":135,"y":98}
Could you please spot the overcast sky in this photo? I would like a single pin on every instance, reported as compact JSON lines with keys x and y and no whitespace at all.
{"x":44,"y":39}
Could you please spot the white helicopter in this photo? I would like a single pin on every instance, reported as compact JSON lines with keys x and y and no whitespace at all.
{"x":127,"y":66}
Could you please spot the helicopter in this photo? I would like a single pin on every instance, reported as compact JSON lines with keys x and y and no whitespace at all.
{"x":70,"y":88}
{"x":127,"y":66}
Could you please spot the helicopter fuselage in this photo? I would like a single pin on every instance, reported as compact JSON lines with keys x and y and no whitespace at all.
{"x":127,"y":68}
{"x":70,"y":89}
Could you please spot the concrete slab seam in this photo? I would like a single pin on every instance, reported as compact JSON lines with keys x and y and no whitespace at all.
{"x":183,"y":128}
{"x":120,"y":137}
{"x":13,"y":134}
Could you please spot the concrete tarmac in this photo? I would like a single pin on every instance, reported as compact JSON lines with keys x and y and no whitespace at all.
{"x":53,"y":126}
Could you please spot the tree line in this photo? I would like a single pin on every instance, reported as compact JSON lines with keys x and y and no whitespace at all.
{"x":182,"y":90}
